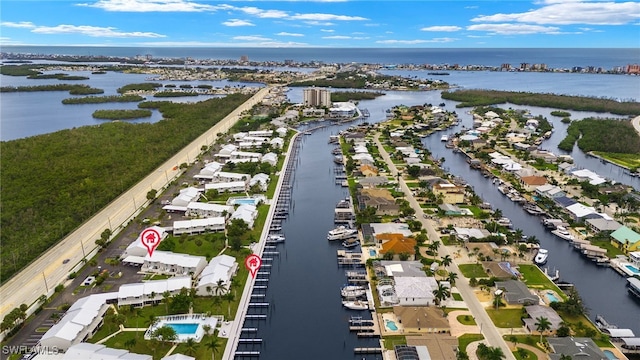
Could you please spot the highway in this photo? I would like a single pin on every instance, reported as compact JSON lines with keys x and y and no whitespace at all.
{"x":47,"y":271}
{"x":490,"y":332}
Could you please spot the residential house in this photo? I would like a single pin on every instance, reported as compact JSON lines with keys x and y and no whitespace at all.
{"x":537,"y":311}
{"x":186,"y":196}
{"x":232,"y":187}
{"x":207,"y":172}
{"x":261,"y":133}
{"x":516,"y":293}
{"x":626,"y":239}
{"x":373,"y":181}
{"x":599,"y":225}
{"x":566,"y":167}
{"x":579,"y":212}
{"x":550,"y":191}
{"x":137,"y":249}
{"x":199,"y":226}
{"x":224,"y":176}
{"x":532,"y":182}
{"x":85,"y":350}
{"x":207,"y":210}
{"x":270,"y":158}
{"x":220,"y":270}
{"x":245,"y":156}
{"x":588,"y":175}
{"x":168,"y":263}
{"x":582,"y":348}
{"x":247,"y":213}
{"x":79,"y":323}
{"x":380,"y":199}
{"x":261,"y":180}
{"x":449,"y":193}
{"x":368,"y":170}
{"x":424,"y":319}
{"x":397,"y":244}
{"x":151,"y":292}
{"x":226,"y":151}
{"x":276,"y":143}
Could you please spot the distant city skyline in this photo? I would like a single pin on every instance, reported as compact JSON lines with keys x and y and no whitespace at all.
{"x":323,"y":23}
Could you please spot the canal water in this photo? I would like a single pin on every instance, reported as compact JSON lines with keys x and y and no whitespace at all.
{"x":306,"y":319}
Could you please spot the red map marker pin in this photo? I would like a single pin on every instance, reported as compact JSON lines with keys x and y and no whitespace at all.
{"x":150,"y":238}
{"x":253,"y":263}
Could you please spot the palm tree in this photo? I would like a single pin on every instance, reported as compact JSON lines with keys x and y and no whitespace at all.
{"x":497,"y":214}
{"x":446,"y":260}
{"x":130,"y":343}
{"x":441,"y":293}
{"x":229,"y":297}
{"x":451,"y":278}
{"x":219,"y":288}
{"x":433,"y":247}
{"x":542,"y":324}
{"x":514,"y":340}
{"x":191,"y":346}
{"x":213,"y":345}
{"x":206,"y":328}
{"x":165,"y":298}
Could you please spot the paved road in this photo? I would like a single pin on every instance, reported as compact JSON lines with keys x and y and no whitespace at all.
{"x":490,"y":332}
{"x":41,"y":276}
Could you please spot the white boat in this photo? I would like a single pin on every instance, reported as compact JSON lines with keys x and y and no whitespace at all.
{"x":341,"y":233}
{"x":563,"y":233}
{"x":541,"y":257}
{"x":352,"y":291}
{"x":275,"y":238}
{"x":506,"y":222}
{"x":349,"y":243}
{"x":356,"y":305}
{"x":444,"y":138}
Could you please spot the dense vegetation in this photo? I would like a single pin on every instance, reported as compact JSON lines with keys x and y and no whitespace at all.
{"x":139,"y":87}
{"x":73,"y":89}
{"x":560,"y":113}
{"x":343,"y":96}
{"x":18,"y":70}
{"x":59,"y":76}
{"x":470,"y":98}
{"x":125,"y":114}
{"x":52,"y":183}
{"x":174,"y":93}
{"x":102,"y":99}
{"x":608,"y":135}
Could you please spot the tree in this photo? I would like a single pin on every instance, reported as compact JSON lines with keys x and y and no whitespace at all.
{"x":441,"y":293}
{"x":497,"y":214}
{"x":165,"y":334}
{"x":542,"y":324}
{"x":130,"y":343}
{"x":446,"y":260}
{"x":563,"y":330}
{"x":191,"y":346}
{"x":514,"y":340}
{"x":451,"y":278}
{"x":151,"y":194}
{"x":214,"y":346}
{"x":206,"y":328}
{"x":219,"y":289}
{"x":433,"y":247}
{"x":229,"y":298}
{"x":165,"y":298}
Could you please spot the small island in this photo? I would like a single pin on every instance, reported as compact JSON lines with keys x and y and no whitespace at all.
{"x":121,"y":114}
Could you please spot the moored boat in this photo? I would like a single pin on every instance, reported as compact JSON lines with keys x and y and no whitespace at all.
{"x":563,"y":233}
{"x":355,"y":305}
{"x":541,"y":257}
{"x":341,"y":233}
{"x":353,"y":291}
{"x":349,"y":243}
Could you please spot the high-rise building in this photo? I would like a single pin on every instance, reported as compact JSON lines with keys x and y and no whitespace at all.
{"x":317,"y":97}
{"x":633,"y":69}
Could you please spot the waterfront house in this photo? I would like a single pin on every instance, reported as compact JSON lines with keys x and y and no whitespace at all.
{"x":79,"y":323}
{"x":515,"y":292}
{"x":368,"y":170}
{"x":151,"y":292}
{"x":566,"y":167}
{"x":380,"y":199}
{"x":247,"y":213}
{"x":397,"y":244}
{"x":261,"y":180}
{"x":599,"y":225}
{"x":537,"y":311}
{"x":168,"y":263}
{"x":449,"y":193}
{"x":583,"y":348}
{"x":222,"y":267}
{"x":550,"y":191}
{"x":85,"y":350}
{"x":276,"y":143}
{"x":231,"y":187}
{"x":423,"y":319}
{"x":626,"y":239}
{"x":261,"y":133}
{"x":199,"y":226}
{"x":270,"y":158}
{"x":532,"y":182}
{"x":373,"y":181}
{"x":588,"y":175}
{"x":224,"y":176}
{"x":579,"y":212}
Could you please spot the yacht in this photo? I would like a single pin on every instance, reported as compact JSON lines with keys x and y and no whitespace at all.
{"x":563,"y":233}
{"x":349,"y":243}
{"x":532,"y":209}
{"x":506,"y":222}
{"x":444,"y":138}
{"x":352,"y":291}
{"x":275,"y":238}
{"x":356,"y":305}
{"x":341,"y":233}
{"x":541,"y":257}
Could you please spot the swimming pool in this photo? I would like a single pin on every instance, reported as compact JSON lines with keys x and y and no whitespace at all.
{"x":184,"y":329}
{"x":632,"y":268}
{"x":552,"y":297}
{"x":391,"y":325}
{"x":610,"y":354}
{"x":248,"y":201}
{"x":372,"y":252}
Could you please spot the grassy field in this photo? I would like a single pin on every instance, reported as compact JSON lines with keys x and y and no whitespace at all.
{"x":473,"y":271}
{"x":466,"y":320}
{"x":466,"y":339}
{"x":506,"y":318}
{"x":391,"y":341}
{"x":528,"y":355}
{"x":535,"y":278}
{"x":626,"y":160}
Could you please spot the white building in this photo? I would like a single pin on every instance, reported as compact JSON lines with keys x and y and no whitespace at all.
{"x":168,"y":263}
{"x":282,"y":131}
{"x":207,"y":172}
{"x":343,"y":110}
{"x":415,"y":291}
{"x":316,"y":97}
{"x":224,"y":176}
{"x":245,"y":212}
{"x":232,"y":187}
{"x":137,"y":249}
{"x":88,"y":351}
{"x":270,"y":158}
{"x":245,"y":155}
{"x":277,"y":143}
{"x":198,"y":226}
{"x":186,"y":196}
{"x":79,"y":323}
{"x":260,"y":179}
{"x":151,"y":292}
{"x":226,"y":151}
{"x":222,"y":267}
{"x":206,"y":210}
{"x":261,"y":133}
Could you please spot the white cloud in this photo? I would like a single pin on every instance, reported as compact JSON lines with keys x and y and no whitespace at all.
{"x":327,"y":30}
{"x":237,"y":22}
{"x":21,"y":24}
{"x":251,"y":38}
{"x":416,"y":41}
{"x":93,"y":31}
{"x":345,"y":37}
{"x":471,"y":7}
{"x":325,"y":17}
{"x":319,"y":23}
{"x":289,"y":34}
{"x":223,"y":44}
{"x":514,"y":29}
{"x":560,"y":12}
{"x":266,"y":14}
{"x":150,"y":6}
{"x":442,"y":28}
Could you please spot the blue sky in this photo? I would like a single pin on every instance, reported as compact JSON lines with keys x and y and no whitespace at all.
{"x":329,"y":23}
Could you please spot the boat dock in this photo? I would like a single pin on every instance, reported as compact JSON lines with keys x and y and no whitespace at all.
{"x":347,"y":258}
{"x":364,"y":327}
{"x":368,"y":350}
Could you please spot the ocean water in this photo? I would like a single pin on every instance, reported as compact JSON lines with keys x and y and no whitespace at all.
{"x":556,"y":58}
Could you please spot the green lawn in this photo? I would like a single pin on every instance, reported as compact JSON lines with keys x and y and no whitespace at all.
{"x":612,"y":251}
{"x":506,"y":318}
{"x":159,"y":350}
{"x":456,"y":296}
{"x":528,"y":355}
{"x":393,"y":340}
{"x":466,"y":339}
{"x":466,"y":319}
{"x":524,"y":339}
{"x":472,"y":271}
{"x":627,"y":160}
{"x":535,"y":278}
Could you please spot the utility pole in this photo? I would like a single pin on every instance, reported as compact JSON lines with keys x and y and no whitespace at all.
{"x":45,"y":282}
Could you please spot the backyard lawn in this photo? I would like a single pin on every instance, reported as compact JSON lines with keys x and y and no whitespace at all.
{"x":506,"y":318}
{"x":473,"y":271}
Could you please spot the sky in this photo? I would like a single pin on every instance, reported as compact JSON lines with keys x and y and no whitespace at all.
{"x":323,"y":23}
